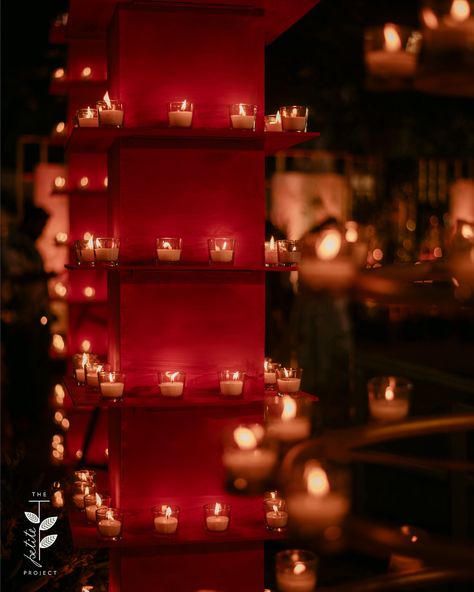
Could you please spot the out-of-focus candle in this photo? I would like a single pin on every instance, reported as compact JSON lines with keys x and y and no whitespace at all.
{"x":289,"y":427}
{"x":391,"y":59}
{"x":389,"y":398}
{"x":296,"y":571}
{"x":248,"y":459}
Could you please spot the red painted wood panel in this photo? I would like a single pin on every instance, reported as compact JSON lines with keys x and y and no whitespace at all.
{"x":86,"y":53}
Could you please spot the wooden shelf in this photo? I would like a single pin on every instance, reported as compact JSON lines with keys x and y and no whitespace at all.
{"x":246,"y":525}
{"x":165,"y":267}
{"x":101,"y":139}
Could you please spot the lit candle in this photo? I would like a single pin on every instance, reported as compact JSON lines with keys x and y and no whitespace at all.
{"x":87,"y":117}
{"x":276,"y":518}
{"x":288,"y":380}
{"x":299,"y":579}
{"x":271,"y":252}
{"x":78,"y":498}
{"x":85,"y":251}
{"x":389,"y":408}
{"x":392,"y":60}
{"x":110,"y":526}
{"x":289,"y":252}
{"x":248,"y":461}
{"x":289,"y":428}
{"x":452,"y":32}
{"x":231,"y":383}
{"x":106,"y":250}
{"x":294,"y":118}
{"x":167,"y":523}
{"x":111,"y":384}
{"x":216,"y":522}
{"x":221,"y":250}
{"x":110,"y":112}
{"x":92,"y":507}
{"x":273,"y":123}
{"x":269,"y":374}
{"x":180,"y":114}
{"x":171,"y":384}
{"x":168,"y":249}
{"x":243,"y":116}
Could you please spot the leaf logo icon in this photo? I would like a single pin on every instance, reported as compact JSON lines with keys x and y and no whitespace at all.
{"x":48,"y":523}
{"x":32,"y":517}
{"x":48,"y":541}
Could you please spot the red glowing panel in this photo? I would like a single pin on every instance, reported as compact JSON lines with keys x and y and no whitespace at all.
{"x":87,"y":53}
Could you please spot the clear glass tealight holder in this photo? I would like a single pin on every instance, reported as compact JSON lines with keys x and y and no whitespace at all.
{"x":221,"y":250}
{"x":84,"y":252}
{"x":289,"y":252}
{"x":389,"y":398}
{"x":92,"y":503}
{"x":272,"y":123}
{"x":288,"y":379}
{"x":79,"y":490}
{"x":180,"y":113}
{"x":243,"y":116}
{"x":171,"y":383}
{"x":107,"y":250}
{"x":296,"y":570}
{"x":217,"y":516}
{"x":165,"y":519}
{"x":92,"y":374}
{"x":168,"y":249}
{"x":111,"y":113}
{"x":231,"y":383}
{"x":249,"y":458}
{"x":87,"y":118}
{"x":111,"y":385}
{"x":109,"y":522}
{"x":294,"y":118}
{"x":78,"y":363}
{"x":276,"y":516}
{"x":271,"y":253}
{"x":287,"y":418}
{"x":269,"y":375}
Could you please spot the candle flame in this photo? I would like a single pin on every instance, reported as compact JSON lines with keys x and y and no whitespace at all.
{"x":168,"y":512}
{"x":217,"y":509}
{"x":460,"y":10}
{"x":277,"y":120}
{"x":235,"y":375}
{"x":275,"y":508}
{"x":267,"y":365}
{"x":294,"y":112}
{"x":389,"y":394}
{"x":86,"y":490}
{"x":98,"y":500}
{"x":166,"y":245}
{"x":184,"y":105}
{"x":109,"y":515}
{"x":272,"y":243}
{"x":85,"y":360}
{"x":392,"y":38}
{"x":286,"y":372}
{"x":111,"y":377}
{"x":289,"y":408}
{"x":89,"y":113}
{"x":429,"y":18}
{"x":467,"y":231}
{"x":90,"y":243}
{"x":172,"y":376}
{"x":329,"y":246}
{"x":107,"y":100}
{"x":352,"y":233}
{"x":241,"y":110}
{"x":317,"y":481}
{"x":299,"y":568}
{"x":245,"y":438}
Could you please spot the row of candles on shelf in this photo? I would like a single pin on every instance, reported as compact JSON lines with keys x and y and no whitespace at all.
{"x":168,"y":250}
{"x":242,"y":116}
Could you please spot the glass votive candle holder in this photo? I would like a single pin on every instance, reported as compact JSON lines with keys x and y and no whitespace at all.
{"x":289,"y":252}
{"x":87,"y":117}
{"x":287,"y":418}
{"x":87,"y":475}
{"x":271,"y":253}
{"x":109,"y":523}
{"x":107,"y":250}
{"x":217,"y":516}
{"x":111,"y":385}
{"x":221,"y":250}
{"x":92,"y":503}
{"x":171,"y":383}
{"x":294,"y":118}
{"x":111,"y":112}
{"x":78,"y":363}
{"x":79,"y":490}
{"x":243,"y":116}
{"x":296,"y":570}
{"x":84,"y":252}
{"x":389,"y":398}
{"x":168,"y":249}
{"x":92,"y":374}
{"x":269,"y":375}
{"x":288,"y":379}
{"x":272,"y":123}
{"x":391,"y":51}
{"x":165,"y":519}
{"x":276,"y":516}
{"x":272,"y":494}
{"x":231,"y":383}
{"x":180,"y":113}
{"x":407,"y":563}
{"x":248,"y":457}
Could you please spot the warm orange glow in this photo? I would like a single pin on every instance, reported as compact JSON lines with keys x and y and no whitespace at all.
{"x":84,"y":182}
{"x":166,"y":245}
{"x":59,"y":391}
{"x":299,"y":568}
{"x":317,"y":481}
{"x":88,"y":236}
{"x":86,"y":345}
{"x":61,"y":237}
{"x":65,"y":424}
{"x":352,"y":233}
{"x":86,"y":72}
{"x":60,"y":127}
{"x":59,"y":73}
{"x":289,"y":408}
{"x":98,"y":500}
{"x":377,"y":254}
{"x":438,"y":252}
{"x":89,"y":292}
{"x":460,"y":10}
{"x":78,"y":454}
{"x":329,"y":245}
{"x":107,"y":100}
{"x":58,"y":343}
{"x":235,"y":375}
{"x":392,"y":38}
{"x":111,"y":377}
{"x":44,"y":320}
{"x":467,"y":231}
{"x":106,"y":181}
{"x":245,"y":438}
{"x":429,"y":18}
{"x":58,"y":416}
{"x":172,"y":376}
{"x":59,"y":182}
{"x":217,"y":509}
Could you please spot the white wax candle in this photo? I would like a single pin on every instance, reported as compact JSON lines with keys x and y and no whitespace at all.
{"x":289,"y":430}
{"x":277,"y":519}
{"x":269,"y":377}
{"x":386,"y":411}
{"x":289,"y":256}
{"x":92,"y":379}
{"x":168,"y":254}
{"x":249,"y":464}
{"x":300,"y":582}
{"x":106,"y":254}
{"x":180,"y":118}
{"x":86,"y":255}
{"x":78,"y":499}
{"x":171,"y":389}
{"x":271,"y":257}
{"x":217,"y":523}
{"x":111,"y":389}
{"x":231,"y":387}
{"x":294,"y":124}
{"x":242,"y":121}
{"x":113,"y":117}
{"x":109,"y":527}
{"x":223,"y":256}
{"x":317,"y":512}
{"x":166,"y":525}
{"x":80,"y":374}
{"x":391,"y":63}
{"x":88,"y":121}
{"x":90,"y":513}
{"x":289,"y":385}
